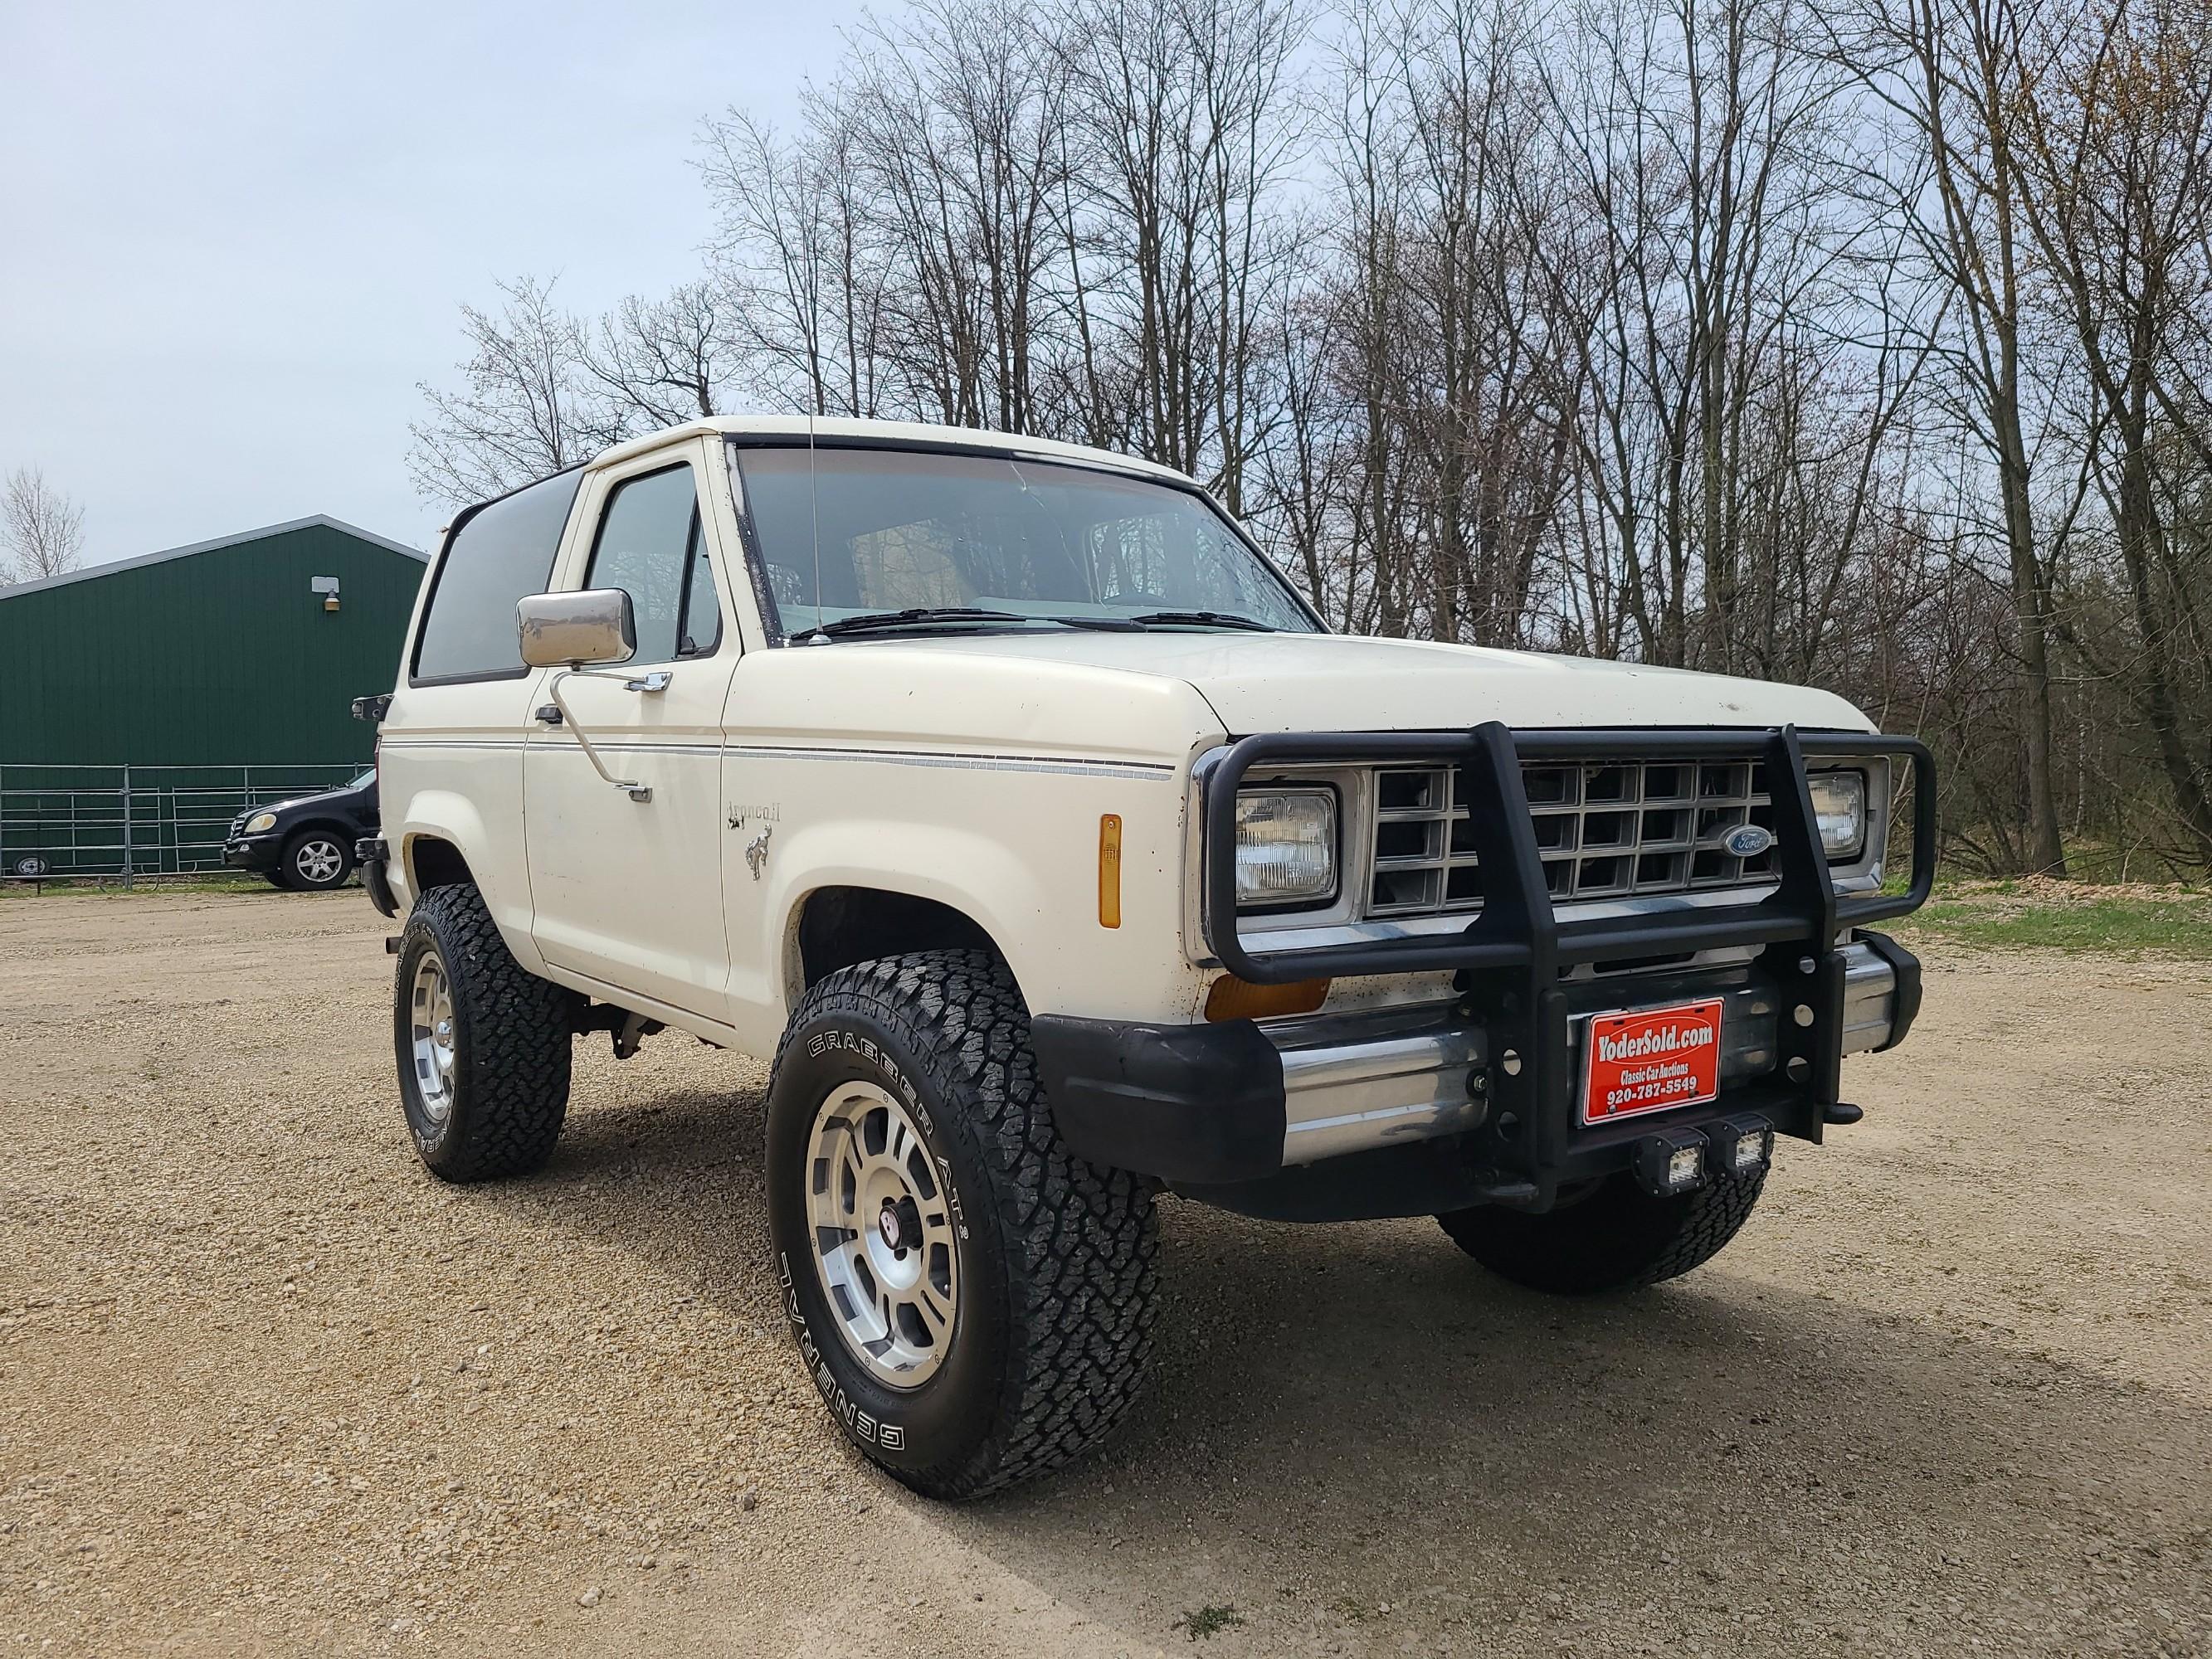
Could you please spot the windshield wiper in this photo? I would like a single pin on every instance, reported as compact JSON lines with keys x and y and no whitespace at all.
{"x":922,"y":616}
{"x":1207,"y":619}
{"x":875,"y":619}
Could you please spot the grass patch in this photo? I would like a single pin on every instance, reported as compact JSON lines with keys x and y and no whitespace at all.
{"x":2060,"y":916}
{"x":1202,"y":1623}
{"x":143,"y":887}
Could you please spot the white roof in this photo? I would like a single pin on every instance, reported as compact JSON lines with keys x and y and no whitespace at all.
{"x":829,"y":429}
{"x":242,"y":536}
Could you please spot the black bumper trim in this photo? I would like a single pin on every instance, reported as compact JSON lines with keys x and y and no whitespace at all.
{"x":372,"y":856}
{"x":260,"y":854}
{"x":1198,"y":1103}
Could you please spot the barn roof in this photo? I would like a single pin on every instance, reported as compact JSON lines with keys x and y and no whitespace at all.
{"x":241,"y":538}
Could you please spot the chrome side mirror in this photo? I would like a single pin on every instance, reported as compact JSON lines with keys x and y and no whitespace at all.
{"x":567,"y":631}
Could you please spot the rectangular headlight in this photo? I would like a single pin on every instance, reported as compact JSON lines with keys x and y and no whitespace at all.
{"x":1285,"y":846}
{"x":1839,"y":805}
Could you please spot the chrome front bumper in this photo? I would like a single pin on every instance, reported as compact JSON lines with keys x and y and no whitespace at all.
{"x":1357,"y":1081}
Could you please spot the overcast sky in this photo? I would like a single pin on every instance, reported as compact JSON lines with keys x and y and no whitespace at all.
{"x":234,"y":237}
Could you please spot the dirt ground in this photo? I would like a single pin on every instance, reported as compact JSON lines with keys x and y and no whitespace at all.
{"x":267,"y":1387}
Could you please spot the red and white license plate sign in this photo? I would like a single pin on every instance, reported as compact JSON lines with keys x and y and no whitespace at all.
{"x":1652,"y":1060}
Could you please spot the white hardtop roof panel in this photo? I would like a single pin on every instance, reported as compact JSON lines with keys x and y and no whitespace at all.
{"x":827,"y":429}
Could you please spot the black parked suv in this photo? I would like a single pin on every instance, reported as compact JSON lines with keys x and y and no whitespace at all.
{"x":305,"y":844}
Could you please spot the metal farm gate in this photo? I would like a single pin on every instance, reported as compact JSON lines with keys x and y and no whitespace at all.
{"x":121,"y":822}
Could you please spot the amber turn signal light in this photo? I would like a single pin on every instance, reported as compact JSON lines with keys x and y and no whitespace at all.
{"x":1109,"y":870}
{"x":1232,"y":998}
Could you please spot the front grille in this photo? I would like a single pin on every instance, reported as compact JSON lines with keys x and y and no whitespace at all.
{"x":1604,"y":830}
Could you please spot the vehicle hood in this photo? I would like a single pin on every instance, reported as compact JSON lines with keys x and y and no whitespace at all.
{"x":1343,"y":683}
{"x":291,"y":803}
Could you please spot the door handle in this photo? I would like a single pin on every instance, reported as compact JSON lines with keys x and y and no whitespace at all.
{"x":656,"y":681}
{"x":550,"y":713}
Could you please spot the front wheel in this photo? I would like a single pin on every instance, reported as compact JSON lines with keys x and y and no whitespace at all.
{"x":1612,"y":1236}
{"x":973,"y":1301}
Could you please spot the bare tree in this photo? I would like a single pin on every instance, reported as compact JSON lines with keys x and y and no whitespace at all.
{"x":796,"y":249}
{"x":1700,"y":282}
{"x":2116,"y":134}
{"x":529,"y":404}
{"x":1489,"y":377}
{"x":1949,"y":73}
{"x":664,"y":361}
{"x":1368,"y":155}
{"x":1190,"y":138}
{"x":958,"y":112}
{"x":1300,"y":486}
{"x":41,"y":530}
{"x":1859,"y":343}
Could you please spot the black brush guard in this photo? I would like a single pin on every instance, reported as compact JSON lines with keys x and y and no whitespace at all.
{"x":1509,"y":958}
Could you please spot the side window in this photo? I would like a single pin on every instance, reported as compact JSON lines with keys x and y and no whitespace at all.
{"x":649,"y":546}
{"x":501,"y":553}
{"x":702,"y":629}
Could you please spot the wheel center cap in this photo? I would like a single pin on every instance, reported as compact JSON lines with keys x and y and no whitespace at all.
{"x":887,"y":1224}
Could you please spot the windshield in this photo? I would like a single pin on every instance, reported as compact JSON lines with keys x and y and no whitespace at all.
{"x":364,"y":780}
{"x":901,"y":529}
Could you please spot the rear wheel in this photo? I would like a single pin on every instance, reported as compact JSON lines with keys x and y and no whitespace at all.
{"x":1612,"y":1236}
{"x":482,"y":1045}
{"x":973,"y":1301}
{"x":315,"y":861}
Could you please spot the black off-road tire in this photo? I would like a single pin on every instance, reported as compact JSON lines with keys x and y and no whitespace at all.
{"x":1615,"y":1238}
{"x":511,"y":1043}
{"x":1053,"y":1327}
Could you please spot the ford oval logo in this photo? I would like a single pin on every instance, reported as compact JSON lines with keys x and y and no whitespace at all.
{"x":1748,"y":841}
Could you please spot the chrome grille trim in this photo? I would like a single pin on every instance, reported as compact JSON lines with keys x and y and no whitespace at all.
{"x":1604,"y":830}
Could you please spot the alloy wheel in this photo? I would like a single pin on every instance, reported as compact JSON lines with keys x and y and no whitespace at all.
{"x":884,"y":1243}
{"x":430,"y":1034}
{"x":319,"y":861}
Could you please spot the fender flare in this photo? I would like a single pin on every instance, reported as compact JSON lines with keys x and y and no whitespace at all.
{"x":447,"y":814}
{"x":935,"y":862}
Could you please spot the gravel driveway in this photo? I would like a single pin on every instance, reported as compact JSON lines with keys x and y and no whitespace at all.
{"x":265,"y":1386}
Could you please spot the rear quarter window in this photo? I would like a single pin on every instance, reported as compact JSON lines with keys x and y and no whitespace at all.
{"x":501,"y":553}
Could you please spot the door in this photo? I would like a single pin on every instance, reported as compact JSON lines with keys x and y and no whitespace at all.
{"x":450,"y":752}
{"x":625,"y":876}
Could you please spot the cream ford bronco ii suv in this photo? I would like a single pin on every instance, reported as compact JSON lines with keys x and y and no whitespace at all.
{"x":1007,"y":796}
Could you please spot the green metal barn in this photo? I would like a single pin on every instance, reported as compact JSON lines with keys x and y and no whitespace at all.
{"x":142,"y":702}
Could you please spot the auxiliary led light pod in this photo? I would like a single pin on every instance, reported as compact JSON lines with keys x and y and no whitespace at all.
{"x":1739,"y":1145}
{"x":1671,"y":1161}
